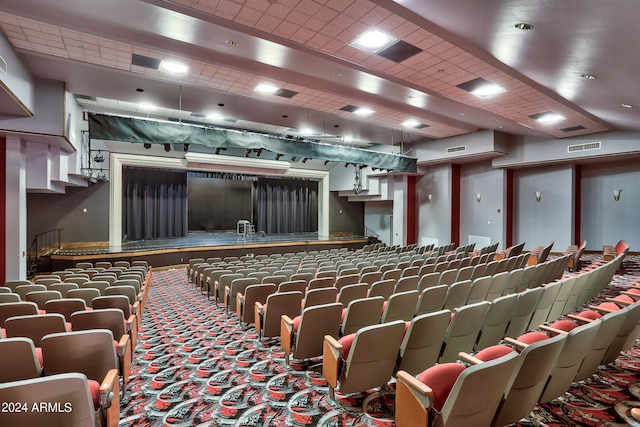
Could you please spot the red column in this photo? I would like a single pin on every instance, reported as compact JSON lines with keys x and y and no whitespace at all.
{"x":577,"y":207}
{"x":455,"y":204}
{"x":509,"y":210}
{"x":412,"y":211}
{"x":3,"y":210}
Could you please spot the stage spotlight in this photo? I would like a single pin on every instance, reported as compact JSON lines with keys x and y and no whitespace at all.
{"x":185,"y":147}
{"x":326,"y":162}
{"x":305,"y":160}
{"x":278,"y":156}
{"x":293,"y":159}
{"x":167,"y":147}
{"x":99,"y":158}
{"x":147,"y":145}
{"x":219,"y":149}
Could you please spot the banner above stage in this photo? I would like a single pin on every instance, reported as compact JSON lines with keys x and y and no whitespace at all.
{"x":204,"y":139}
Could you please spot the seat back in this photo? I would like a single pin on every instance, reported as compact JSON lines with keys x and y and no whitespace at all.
{"x":431,"y":299}
{"x":544,"y":304}
{"x":128,"y":291}
{"x":18,"y":360}
{"x":25,"y":289}
{"x":87,"y":352}
{"x":35,"y":326}
{"x":497,"y":285}
{"x":120,"y":302}
{"x":513,"y":281}
{"x":576,"y":346}
{"x":534,"y":366}
{"x":457,"y":294}
{"x":252,"y":294}
{"x":522,"y":312}
{"x":9,"y":297}
{"x":133,"y":282}
{"x":383,"y":288}
{"x":372,"y":358}
{"x":350,"y":279}
{"x":106,"y":318}
{"x":41,"y":297}
{"x":238,"y":286}
{"x":76,"y":409}
{"x":292,"y":285}
{"x":428,"y":280}
{"x":479,"y":289}
{"x":22,"y":308}
{"x":63,"y":288}
{"x":407,"y":283}
{"x":448,"y":277}
{"x":494,"y":324}
{"x":361,"y":312}
{"x":352,"y":292}
{"x":463,"y":330}
{"x":321,"y":282}
{"x":421,"y":344}
{"x":371,"y":277}
{"x":316,"y":322}
{"x":84,"y":294}
{"x":320,"y":296}
{"x":477,"y":392}
{"x":13,"y":284}
{"x":278,"y":304}
{"x":65,"y":306}
{"x":400,"y":306}
{"x":627,"y":329}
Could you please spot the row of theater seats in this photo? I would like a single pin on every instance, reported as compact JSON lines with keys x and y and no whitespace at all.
{"x":426,"y":339}
{"x":515,"y":375}
{"x":69,"y":353}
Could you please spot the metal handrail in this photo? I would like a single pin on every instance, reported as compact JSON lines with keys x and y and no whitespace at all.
{"x":44,"y":244}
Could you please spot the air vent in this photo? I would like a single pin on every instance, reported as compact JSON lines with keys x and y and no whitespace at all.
{"x":457,"y":149}
{"x":349,"y":108}
{"x":3,"y":65}
{"x":285,"y":93}
{"x":86,"y":97}
{"x":572,"y":128}
{"x":399,"y":51}
{"x":145,"y":61}
{"x":584,"y":147}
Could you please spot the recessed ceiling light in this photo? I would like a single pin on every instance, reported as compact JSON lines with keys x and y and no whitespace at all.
{"x":139,"y":90}
{"x":547,"y":118}
{"x":174,"y":67}
{"x":266,"y":88}
{"x":410,"y":123}
{"x":373,"y":41}
{"x":524,"y":26}
{"x":337,"y":74}
{"x":231,"y":42}
{"x":589,"y":76}
{"x":626,"y":105}
{"x":363,"y":111}
{"x":481,"y":88}
{"x":215,"y":116}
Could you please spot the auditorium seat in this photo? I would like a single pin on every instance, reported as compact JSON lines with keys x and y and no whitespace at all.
{"x":63,"y":288}
{"x":457,"y":294}
{"x":35,"y":326}
{"x":494,"y":324}
{"x":361,"y":361}
{"x":41,"y":297}
{"x":451,"y":394}
{"x":422,"y":341}
{"x":237,"y":285}
{"x":120,"y":302}
{"x":25,"y":289}
{"x":400,"y":306}
{"x":431,"y":299}
{"x":268,"y":315}
{"x":352,"y":292}
{"x":18,"y":360}
{"x":360,"y":313}
{"x":462,"y":332}
{"x":9,"y":297}
{"x":302,"y":337}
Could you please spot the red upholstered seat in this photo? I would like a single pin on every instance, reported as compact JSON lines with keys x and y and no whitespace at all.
{"x":296,"y":323}
{"x":533,"y":337}
{"x":634,"y":291}
{"x":94,"y":389}
{"x":68,"y":326}
{"x":610,"y":306}
{"x":3,"y":332}
{"x":440,"y":379}
{"x":42,"y":311}
{"x":344,"y":313}
{"x":39,"y":356}
{"x":564,"y":325}
{"x":625,"y":299}
{"x":589,"y":314}
{"x":493,"y":352}
{"x":346,"y":342}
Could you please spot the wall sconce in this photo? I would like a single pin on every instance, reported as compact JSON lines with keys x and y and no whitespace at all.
{"x":429,"y":197}
{"x":616,"y":195}
{"x":538,"y":196}
{"x":478,"y":197}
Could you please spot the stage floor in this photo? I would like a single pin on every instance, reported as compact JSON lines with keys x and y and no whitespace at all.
{"x":203,"y":240}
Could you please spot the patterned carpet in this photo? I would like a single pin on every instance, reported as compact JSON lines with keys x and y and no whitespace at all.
{"x":195,"y":366}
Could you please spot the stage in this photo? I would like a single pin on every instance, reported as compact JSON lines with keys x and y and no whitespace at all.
{"x":176,"y":251}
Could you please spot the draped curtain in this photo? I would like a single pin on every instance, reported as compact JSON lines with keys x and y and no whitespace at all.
{"x":154,"y":203}
{"x":286,"y":205}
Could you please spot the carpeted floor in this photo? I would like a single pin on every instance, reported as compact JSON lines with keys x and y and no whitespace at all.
{"x":195,"y":366}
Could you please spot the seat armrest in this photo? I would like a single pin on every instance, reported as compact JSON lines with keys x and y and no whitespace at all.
{"x":258,"y":313}
{"x":625,"y":303}
{"x":287,"y":334}
{"x":466,"y":357}
{"x":132,"y":328}
{"x":517,"y":344}
{"x":582,"y":320}
{"x":413,"y":401}
{"x":331,"y":360}
{"x":226,"y":296}
{"x":110,"y":398}
{"x":554,"y":331}
{"x":600,"y":309}
{"x":239,"y":305}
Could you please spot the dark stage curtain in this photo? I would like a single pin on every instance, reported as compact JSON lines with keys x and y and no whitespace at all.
{"x":287,"y":205}
{"x":218,"y":200}
{"x":154,"y":203}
